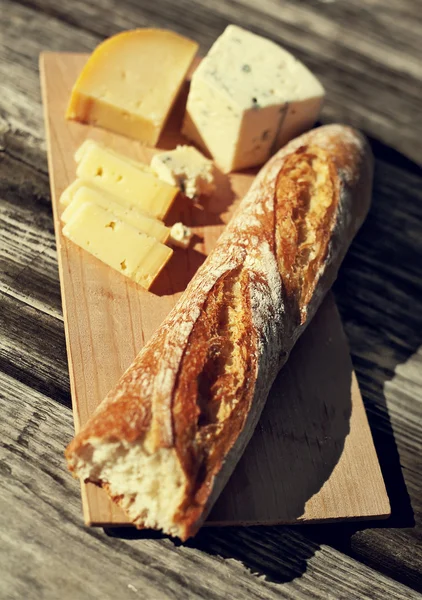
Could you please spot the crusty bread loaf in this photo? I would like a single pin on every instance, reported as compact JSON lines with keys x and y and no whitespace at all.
{"x":166,"y":439}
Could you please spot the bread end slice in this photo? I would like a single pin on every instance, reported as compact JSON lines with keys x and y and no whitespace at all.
{"x":149,"y":487}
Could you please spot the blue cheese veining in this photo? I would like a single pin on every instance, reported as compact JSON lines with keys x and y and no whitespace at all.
{"x":248,"y":98}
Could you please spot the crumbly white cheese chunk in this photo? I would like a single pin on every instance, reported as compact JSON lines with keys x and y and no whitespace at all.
{"x":186,"y":169}
{"x":180,"y":235}
{"x":248,"y":97}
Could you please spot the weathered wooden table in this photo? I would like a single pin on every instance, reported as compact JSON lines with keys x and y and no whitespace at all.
{"x":366,"y":54}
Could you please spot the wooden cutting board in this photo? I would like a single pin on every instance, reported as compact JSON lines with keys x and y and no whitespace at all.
{"x":312,"y":456}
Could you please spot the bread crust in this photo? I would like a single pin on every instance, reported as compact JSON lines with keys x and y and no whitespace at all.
{"x":198,"y":387}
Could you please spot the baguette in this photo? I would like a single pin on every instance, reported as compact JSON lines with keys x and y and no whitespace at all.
{"x":166,"y":439}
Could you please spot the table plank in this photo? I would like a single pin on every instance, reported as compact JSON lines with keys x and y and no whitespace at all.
{"x":48,"y":550}
{"x":355,"y":49}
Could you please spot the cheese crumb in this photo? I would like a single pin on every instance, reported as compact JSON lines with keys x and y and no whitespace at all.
{"x":180,"y":235}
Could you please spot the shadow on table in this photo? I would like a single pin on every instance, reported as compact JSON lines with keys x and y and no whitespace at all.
{"x":297,"y":444}
{"x":379,"y":297}
{"x":278,"y":553}
{"x":207,"y":216}
{"x":300,"y":437}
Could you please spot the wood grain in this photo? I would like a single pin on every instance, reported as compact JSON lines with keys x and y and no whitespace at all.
{"x":44,"y":551}
{"x":355,"y":49}
{"x":323,"y":465}
{"x":41,"y":535}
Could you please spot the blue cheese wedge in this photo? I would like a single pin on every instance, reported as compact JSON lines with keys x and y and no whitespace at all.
{"x":187,"y":169}
{"x":249,"y":97}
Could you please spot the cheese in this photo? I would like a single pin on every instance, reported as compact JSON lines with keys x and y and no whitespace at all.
{"x":247,"y":98}
{"x":133,"y":184}
{"x":180,"y":235}
{"x":131,"y":81}
{"x":69,"y":193}
{"x":90,"y":145}
{"x":152,"y":227}
{"x":187,"y":169}
{"x":84,"y":148}
{"x":117,"y":244}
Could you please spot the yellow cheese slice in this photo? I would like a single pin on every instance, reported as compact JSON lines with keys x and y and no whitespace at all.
{"x":69,"y":193}
{"x":131,"y":81}
{"x":134,"y":186}
{"x":152,"y":227}
{"x":88,"y":146}
{"x":117,"y":244}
